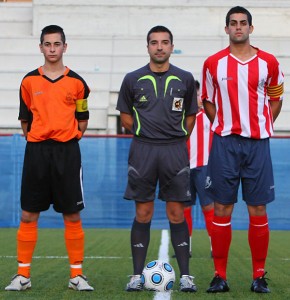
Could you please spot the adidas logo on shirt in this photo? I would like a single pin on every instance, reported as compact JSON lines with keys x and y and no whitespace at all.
{"x":143,"y":99}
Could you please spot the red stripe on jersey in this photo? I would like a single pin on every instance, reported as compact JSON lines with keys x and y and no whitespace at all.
{"x":188,"y":144}
{"x":200,"y":142}
{"x":253,"y":82}
{"x":233,"y":79}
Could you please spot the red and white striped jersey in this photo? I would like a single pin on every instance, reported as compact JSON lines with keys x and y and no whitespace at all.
{"x":241,"y":91}
{"x":200,"y":140}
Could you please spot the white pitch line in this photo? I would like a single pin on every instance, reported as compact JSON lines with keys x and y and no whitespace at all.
{"x":164,"y":246}
{"x":111,"y":257}
{"x":164,"y":256}
{"x":64,"y":257}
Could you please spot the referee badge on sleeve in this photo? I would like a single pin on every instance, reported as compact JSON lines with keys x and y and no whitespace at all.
{"x":177,"y":104}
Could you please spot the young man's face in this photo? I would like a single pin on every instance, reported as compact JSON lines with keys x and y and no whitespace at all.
{"x":239,"y":28}
{"x":52,"y":47}
{"x":159,"y":47}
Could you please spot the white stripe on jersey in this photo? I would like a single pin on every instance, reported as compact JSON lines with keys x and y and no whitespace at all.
{"x":200,"y":141}
{"x":243,"y":73}
{"x":226,"y":105}
{"x":262,"y":119}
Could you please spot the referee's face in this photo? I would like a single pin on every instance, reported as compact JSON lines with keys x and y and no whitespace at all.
{"x":159,"y":47}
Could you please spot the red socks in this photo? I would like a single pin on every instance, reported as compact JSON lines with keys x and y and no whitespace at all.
{"x":188,"y":218}
{"x":221,"y":237}
{"x":208,"y":217}
{"x":258,"y":237}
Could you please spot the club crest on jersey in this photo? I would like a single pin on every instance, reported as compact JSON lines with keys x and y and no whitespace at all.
{"x":262,"y":83}
{"x":69,"y":98}
{"x":177,"y":104}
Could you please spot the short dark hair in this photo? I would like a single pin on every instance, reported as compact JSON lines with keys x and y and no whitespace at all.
{"x":52,"y":29}
{"x":159,"y":28}
{"x":238,"y":10}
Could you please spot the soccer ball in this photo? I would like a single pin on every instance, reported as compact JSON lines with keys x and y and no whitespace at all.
{"x":158,"y":276}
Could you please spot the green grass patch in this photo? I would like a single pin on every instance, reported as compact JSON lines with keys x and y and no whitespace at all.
{"x":108,"y":262}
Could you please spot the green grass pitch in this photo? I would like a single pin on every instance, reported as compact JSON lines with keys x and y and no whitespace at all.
{"x":108,"y":262}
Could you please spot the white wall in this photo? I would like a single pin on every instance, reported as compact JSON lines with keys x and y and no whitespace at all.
{"x":106,"y":39}
{"x":133,"y":18}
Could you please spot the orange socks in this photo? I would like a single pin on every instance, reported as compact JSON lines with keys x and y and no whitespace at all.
{"x":258,"y":236}
{"x":26,"y":241}
{"x":221,"y":237}
{"x":74,"y":240}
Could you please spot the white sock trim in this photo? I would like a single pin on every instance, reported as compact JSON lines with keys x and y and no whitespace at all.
{"x":76,"y":266}
{"x":262,"y":225}
{"x":23,"y":265}
{"x":223,"y":225}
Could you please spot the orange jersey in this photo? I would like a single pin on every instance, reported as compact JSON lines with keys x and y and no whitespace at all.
{"x":53,"y":108}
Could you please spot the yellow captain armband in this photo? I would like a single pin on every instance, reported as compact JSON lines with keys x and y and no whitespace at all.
{"x":275,"y":91}
{"x":81,"y":105}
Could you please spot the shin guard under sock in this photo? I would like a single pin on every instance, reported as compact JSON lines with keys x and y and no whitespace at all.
{"x":140,"y":237}
{"x":74,"y":240}
{"x":258,"y":236}
{"x":26,"y":241}
{"x":180,"y":243}
{"x":221,"y":236}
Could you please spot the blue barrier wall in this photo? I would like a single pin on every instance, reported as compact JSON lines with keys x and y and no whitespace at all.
{"x":105,"y":175}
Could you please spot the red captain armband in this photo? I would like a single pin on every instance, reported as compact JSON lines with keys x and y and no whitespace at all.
{"x":82,"y":105}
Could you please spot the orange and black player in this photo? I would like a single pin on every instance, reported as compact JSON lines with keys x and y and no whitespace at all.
{"x":54,"y":116}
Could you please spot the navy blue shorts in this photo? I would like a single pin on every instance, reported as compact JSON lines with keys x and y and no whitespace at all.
{"x":233,"y":160}
{"x":52,"y":174}
{"x":153,"y":162}
{"x":197,"y":187}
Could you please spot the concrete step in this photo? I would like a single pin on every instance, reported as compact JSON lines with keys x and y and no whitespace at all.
{"x":184,"y":17}
{"x":16,"y":19}
{"x":9,"y":98}
{"x":282,"y":122}
{"x":77,"y":63}
{"x":97,"y":80}
{"x":137,"y":45}
{"x":107,"y":39}
{"x":9,"y":118}
{"x":102,"y":71}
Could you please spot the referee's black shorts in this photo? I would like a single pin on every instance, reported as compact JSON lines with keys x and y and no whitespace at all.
{"x":52,"y":174}
{"x":164,"y":163}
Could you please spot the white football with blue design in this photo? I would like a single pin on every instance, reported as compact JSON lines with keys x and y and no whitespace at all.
{"x":158,"y":276}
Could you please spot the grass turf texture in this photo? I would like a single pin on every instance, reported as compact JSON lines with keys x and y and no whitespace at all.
{"x":108,"y":262}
